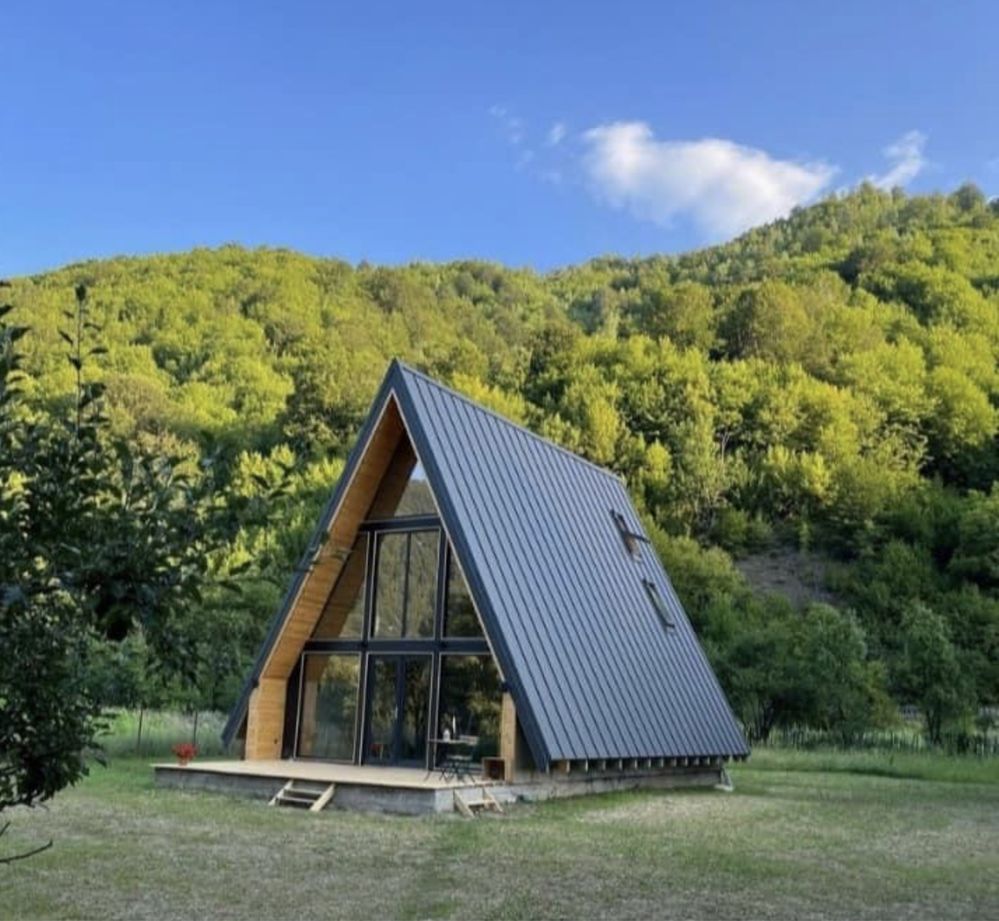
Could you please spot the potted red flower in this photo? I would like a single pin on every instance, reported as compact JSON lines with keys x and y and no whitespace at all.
{"x":184,"y":751}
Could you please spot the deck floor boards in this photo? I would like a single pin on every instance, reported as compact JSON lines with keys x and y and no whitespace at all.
{"x":326,"y":772}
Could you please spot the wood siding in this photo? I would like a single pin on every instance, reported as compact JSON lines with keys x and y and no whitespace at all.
{"x":265,"y":713}
{"x":508,"y":737}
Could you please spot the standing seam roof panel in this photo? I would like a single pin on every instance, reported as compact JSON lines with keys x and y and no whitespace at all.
{"x":641,"y":640}
{"x":626,"y":569}
{"x":509,"y":532}
{"x":595,"y":631}
{"x":490,"y":541}
{"x":593,"y":662}
{"x":527,"y":564}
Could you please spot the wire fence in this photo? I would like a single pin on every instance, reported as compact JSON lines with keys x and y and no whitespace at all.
{"x":907,"y":739}
{"x":153,"y":733}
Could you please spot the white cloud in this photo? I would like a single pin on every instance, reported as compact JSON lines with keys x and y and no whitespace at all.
{"x":723,"y":187}
{"x":556,"y":134}
{"x":906,"y":158}
{"x":512,"y":125}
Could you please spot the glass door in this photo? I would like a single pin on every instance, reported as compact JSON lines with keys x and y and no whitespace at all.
{"x":398,"y":709}
{"x":328,"y":705}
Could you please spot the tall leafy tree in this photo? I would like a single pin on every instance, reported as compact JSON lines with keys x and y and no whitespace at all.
{"x":929,"y":670}
{"x":97,"y":538}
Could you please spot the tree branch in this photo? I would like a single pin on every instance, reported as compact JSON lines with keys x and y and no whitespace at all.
{"x":26,"y":854}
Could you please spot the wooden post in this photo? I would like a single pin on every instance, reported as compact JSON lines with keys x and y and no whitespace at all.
{"x":508,"y":737}
{"x":265,"y":719}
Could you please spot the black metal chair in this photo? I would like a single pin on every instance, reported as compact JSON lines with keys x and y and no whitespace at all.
{"x":457,"y":763}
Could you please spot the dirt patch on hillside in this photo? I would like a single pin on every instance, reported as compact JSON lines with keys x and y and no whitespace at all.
{"x":799,"y":577}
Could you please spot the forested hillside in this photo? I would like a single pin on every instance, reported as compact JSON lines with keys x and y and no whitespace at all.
{"x":826,"y":385}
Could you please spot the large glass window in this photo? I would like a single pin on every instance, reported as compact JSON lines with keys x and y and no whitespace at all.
{"x":470,"y":703}
{"x":460,"y":619}
{"x":390,"y":591}
{"x":422,"y":595}
{"x":399,"y":704}
{"x":343,"y":615}
{"x":406,"y":584}
{"x":387,"y":717}
{"x":328,"y":710}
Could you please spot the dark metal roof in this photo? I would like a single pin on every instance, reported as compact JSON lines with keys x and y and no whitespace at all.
{"x":594,"y":672}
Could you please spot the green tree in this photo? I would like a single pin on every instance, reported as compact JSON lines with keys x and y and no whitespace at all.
{"x":768,"y":321}
{"x":49,"y":713}
{"x":929,"y":670}
{"x":838,"y":688}
{"x":976,"y":556}
{"x":88,"y":549}
{"x":684,"y":312}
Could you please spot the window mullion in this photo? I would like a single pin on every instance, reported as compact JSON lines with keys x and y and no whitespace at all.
{"x":405,"y":587}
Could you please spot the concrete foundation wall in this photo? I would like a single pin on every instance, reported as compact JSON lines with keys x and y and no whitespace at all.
{"x":537,"y":787}
{"x":247,"y":785}
{"x":413,"y":801}
{"x":359,"y":797}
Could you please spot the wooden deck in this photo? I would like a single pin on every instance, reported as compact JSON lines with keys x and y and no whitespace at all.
{"x":414,"y":791}
{"x":326,"y":772}
{"x":410,"y":791}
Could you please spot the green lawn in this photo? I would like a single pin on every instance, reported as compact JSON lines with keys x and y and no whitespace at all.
{"x":804,"y":835}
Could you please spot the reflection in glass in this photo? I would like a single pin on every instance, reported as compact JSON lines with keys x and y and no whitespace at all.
{"x":390,"y":592}
{"x":470,"y":703}
{"x":415,"y":709}
{"x":422,"y":583}
{"x":328,"y":706}
{"x":460,"y":618}
{"x":398,"y":734}
{"x":382,"y":709}
{"x":406,"y":584}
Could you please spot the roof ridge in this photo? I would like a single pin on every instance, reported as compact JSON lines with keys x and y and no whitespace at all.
{"x":514,"y":425}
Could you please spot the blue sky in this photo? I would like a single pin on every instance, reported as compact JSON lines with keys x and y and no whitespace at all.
{"x":530,"y":133}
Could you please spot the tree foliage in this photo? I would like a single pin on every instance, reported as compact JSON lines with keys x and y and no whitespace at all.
{"x":825,"y":383}
{"x":99,"y":538}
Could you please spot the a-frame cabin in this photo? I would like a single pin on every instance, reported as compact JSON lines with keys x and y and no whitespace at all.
{"x":477,"y":595}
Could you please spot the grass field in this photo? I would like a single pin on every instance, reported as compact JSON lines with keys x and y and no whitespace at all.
{"x":804,"y":835}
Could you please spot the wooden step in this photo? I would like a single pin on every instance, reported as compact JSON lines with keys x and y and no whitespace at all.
{"x":470,"y":808}
{"x":314,"y":797}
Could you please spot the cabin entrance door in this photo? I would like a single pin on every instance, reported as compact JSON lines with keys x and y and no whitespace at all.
{"x":398,"y":709}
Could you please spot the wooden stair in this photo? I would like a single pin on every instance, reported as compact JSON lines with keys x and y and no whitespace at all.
{"x":303,"y":794}
{"x":470,"y":807}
